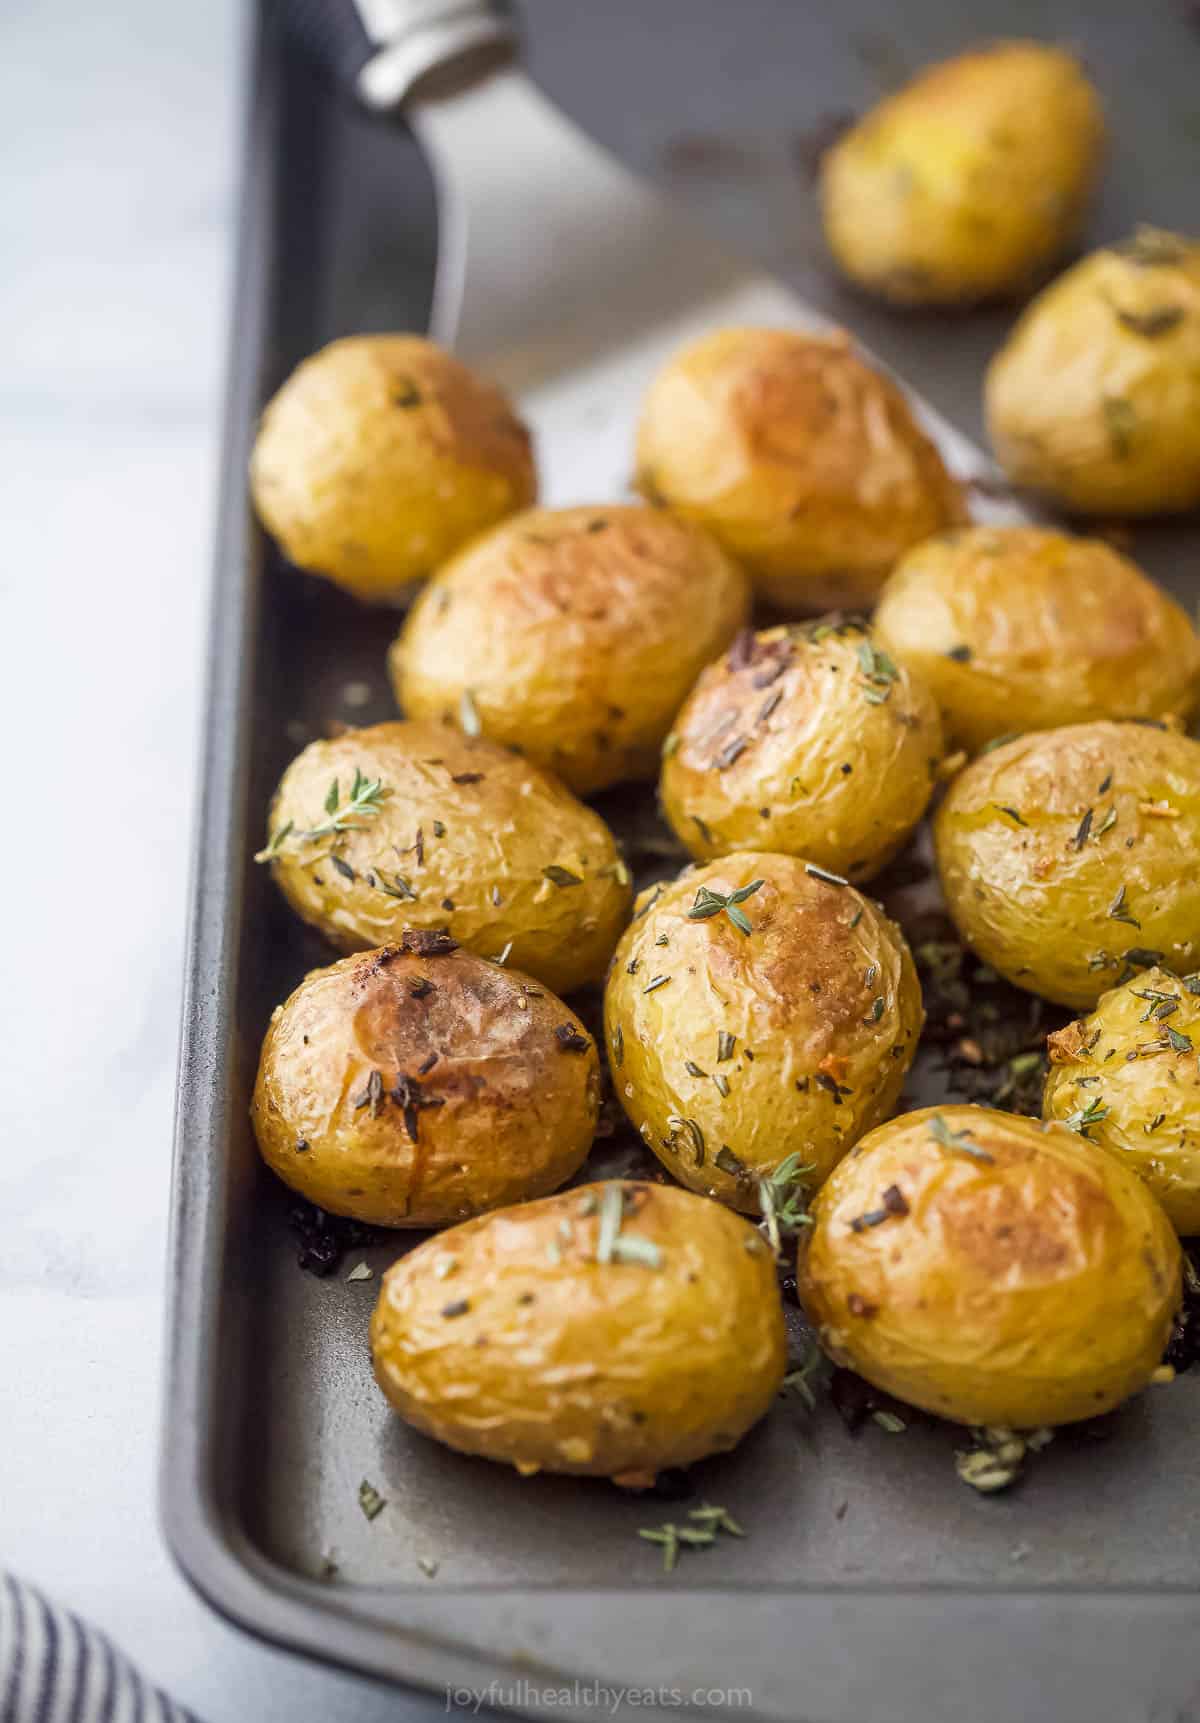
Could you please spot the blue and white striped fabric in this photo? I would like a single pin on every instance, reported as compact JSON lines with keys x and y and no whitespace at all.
{"x":56,"y":1669}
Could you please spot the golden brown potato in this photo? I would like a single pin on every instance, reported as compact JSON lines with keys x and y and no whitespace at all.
{"x":805,"y":463}
{"x":970,"y":180}
{"x":756,"y":1010}
{"x":804,"y":740}
{"x":409,"y":1089}
{"x":991,"y":1269}
{"x":615,"y":1331}
{"x":1020,"y":628}
{"x":412,"y":825}
{"x":1128,"y":1077}
{"x":1094,"y":400}
{"x":573,"y":634}
{"x":380,"y":456}
{"x":1068,"y":857}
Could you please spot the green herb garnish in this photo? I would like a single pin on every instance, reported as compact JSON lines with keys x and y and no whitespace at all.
{"x":709,"y":903}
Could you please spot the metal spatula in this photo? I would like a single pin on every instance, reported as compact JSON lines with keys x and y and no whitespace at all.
{"x":559,"y":273}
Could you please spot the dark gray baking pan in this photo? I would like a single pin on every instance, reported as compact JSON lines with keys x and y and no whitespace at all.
{"x":872,"y":1586}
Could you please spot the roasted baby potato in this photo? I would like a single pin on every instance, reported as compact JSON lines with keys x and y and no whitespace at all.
{"x":1094,"y":400}
{"x":1127,"y":1078}
{"x":573,"y":634}
{"x":614,"y":1330}
{"x":380,"y":456}
{"x":806,"y":464}
{"x":410,"y":1089}
{"x":969,"y":181}
{"x":807,"y":741}
{"x":412,"y":825}
{"x":1021,"y":628}
{"x":1068,"y":857}
{"x":991,"y":1269}
{"x":758,"y":1009}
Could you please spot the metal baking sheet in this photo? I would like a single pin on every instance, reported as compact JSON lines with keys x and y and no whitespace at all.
{"x":872,"y":1585}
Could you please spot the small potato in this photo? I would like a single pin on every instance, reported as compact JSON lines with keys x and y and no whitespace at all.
{"x":380,"y":456}
{"x":573,"y":634}
{"x":1127,"y":1078}
{"x":1019,"y":628}
{"x":1068,"y":857}
{"x":615,"y":1331}
{"x":412,"y":825}
{"x":804,"y":740}
{"x":805,"y":463}
{"x":1094,"y":400}
{"x":990,"y":1269}
{"x":754,"y":1011}
{"x":411,"y":1090}
{"x":969,"y":181}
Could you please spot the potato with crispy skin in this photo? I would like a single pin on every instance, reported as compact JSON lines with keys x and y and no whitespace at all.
{"x":573,"y":634}
{"x":1128,"y":1077}
{"x":1094,"y":399}
{"x":968,"y":182}
{"x":1068,"y":857}
{"x":806,"y":464}
{"x":804,"y":740}
{"x":991,"y":1269}
{"x":380,"y":456}
{"x":414,"y":825}
{"x":614,"y":1331}
{"x":1022,"y":628}
{"x":415,"y":1086}
{"x":758,"y":1009}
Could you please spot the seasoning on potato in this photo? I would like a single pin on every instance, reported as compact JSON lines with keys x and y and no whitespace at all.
{"x":414,"y":825}
{"x":1023,"y":628}
{"x":807,"y":740}
{"x":1128,"y":1077}
{"x":806,"y":464}
{"x":968,"y":182}
{"x":991,"y":1269}
{"x":1068,"y":857}
{"x":380,"y":456}
{"x":1094,"y":400}
{"x":573,"y":634}
{"x":414,"y":1087}
{"x":615,"y":1331}
{"x":758,"y":1009}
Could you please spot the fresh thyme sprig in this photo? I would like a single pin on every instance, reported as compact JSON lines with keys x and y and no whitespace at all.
{"x":783,"y":1199}
{"x":364,"y":802}
{"x":709,"y":903}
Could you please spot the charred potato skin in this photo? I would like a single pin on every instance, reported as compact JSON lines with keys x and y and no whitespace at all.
{"x":529,"y":1351}
{"x":806,"y":464}
{"x":380,"y":456}
{"x":812,"y":1067}
{"x":966,"y":184}
{"x":471,"y":829}
{"x":1059,"y":904}
{"x":1094,"y":400}
{"x":575,"y":634}
{"x":804,"y":742}
{"x":1023,"y":628}
{"x":1037,"y":1288}
{"x":1141,"y":1087}
{"x":416,"y":1091}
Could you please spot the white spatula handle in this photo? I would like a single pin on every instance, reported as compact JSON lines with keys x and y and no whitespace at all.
{"x":387,"y":53}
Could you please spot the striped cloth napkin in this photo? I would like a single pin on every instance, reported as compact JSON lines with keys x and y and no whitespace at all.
{"x":56,"y":1669}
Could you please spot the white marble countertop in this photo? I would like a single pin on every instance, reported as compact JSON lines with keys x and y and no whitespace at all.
{"x":116,"y":183}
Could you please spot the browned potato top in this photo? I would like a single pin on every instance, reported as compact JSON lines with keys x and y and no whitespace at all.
{"x":991,"y":1269}
{"x":1023,"y":628}
{"x":453,"y":832}
{"x":803,"y":461}
{"x":805,"y":740}
{"x":572,"y":634}
{"x":413,"y":1086}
